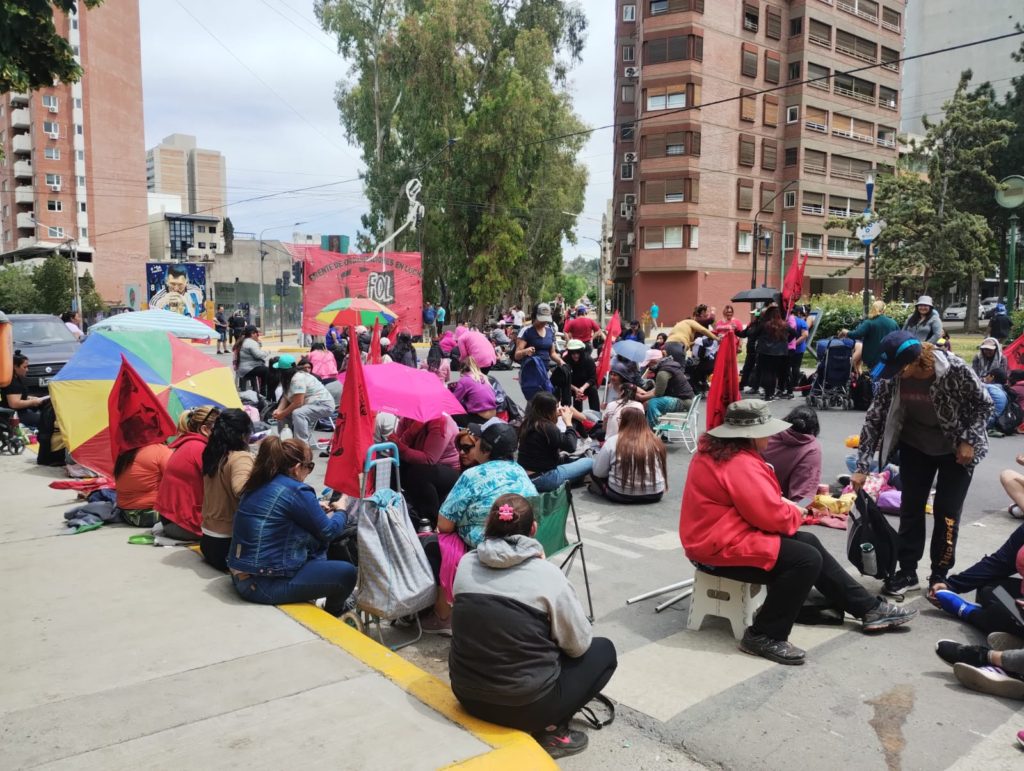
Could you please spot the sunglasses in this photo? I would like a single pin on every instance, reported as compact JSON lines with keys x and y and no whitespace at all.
{"x":465,"y":447}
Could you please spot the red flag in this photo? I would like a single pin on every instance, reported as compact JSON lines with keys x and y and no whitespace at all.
{"x":1014,"y":353}
{"x":136,"y":416}
{"x":611,"y":334}
{"x":725,"y":382}
{"x":353,"y":432}
{"x":793,"y":284}
{"x":375,"y":356}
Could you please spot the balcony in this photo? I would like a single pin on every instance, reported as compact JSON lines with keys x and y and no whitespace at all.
{"x":22,"y":170}
{"x":25,"y":243}
{"x":820,"y":40}
{"x":27,"y":220}
{"x":836,"y":212}
{"x":24,"y":194}
{"x":821,"y":85}
{"x":812,"y":167}
{"x":859,"y":96}
{"x":853,"y":135}
{"x":17,"y":97}
{"x":21,"y":118}
{"x":819,"y":127}
{"x":856,"y":10}
{"x":812,"y":208}
{"x":853,"y":176}
{"x":21,"y":143}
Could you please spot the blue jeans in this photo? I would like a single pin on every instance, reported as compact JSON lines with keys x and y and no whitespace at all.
{"x":662,"y":405}
{"x":333,"y":579}
{"x":558,"y":476}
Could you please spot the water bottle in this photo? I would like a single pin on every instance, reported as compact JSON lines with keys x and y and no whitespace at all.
{"x":869,"y":559}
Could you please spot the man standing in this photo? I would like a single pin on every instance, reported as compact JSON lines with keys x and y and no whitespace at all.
{"x":429,"y":319}
{"x":869,"y":335}
{"x":1000,"y":324}
{"x":236,"y":324}
{"x":582,"y":328}
{"x":440,"y":315}
{"x":220,"y":326}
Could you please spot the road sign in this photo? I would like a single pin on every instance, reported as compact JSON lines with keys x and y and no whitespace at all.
{"x":1012,"y":195}
{"x":869,"y":231}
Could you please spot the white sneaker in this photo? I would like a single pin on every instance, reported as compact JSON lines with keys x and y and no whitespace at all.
{"x":1004,"y":641}
{"x":990,"y":680}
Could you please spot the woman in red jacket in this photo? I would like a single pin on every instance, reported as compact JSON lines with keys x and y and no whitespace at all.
{"x":735,"y":524}
{"x":179,"y":500}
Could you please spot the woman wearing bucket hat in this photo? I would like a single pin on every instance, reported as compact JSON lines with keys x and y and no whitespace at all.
{"x":933,"y":409}
{"x":924,"y":323}
{"x":734,"y":523}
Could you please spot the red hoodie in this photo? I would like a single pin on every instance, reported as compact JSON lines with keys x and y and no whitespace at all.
{"x":733,"y":512}
{"x":180,"y":497}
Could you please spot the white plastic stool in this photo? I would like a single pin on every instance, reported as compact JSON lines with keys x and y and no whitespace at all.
{"x":725,"y":598}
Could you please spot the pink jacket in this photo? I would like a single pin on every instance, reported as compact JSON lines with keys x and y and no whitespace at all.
{"x":796,"y":459}
{"x":429,"y":443}
{"x":475,"y":344}
{"x":325,"y":366}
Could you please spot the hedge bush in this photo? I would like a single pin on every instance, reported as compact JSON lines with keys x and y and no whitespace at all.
{"x":845,"y":310}
{"x":1018,"y":324}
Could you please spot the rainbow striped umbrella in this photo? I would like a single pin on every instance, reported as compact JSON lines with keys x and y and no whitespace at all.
{"x":356,"y":311}
{"x":179,"y":374}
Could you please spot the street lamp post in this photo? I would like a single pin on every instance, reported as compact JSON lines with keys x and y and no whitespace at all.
{"x":1011,"y":266}
{"x":263,"y":306}
{"x":757,"y":235}
{"x":869,"y":186}
{"x":767,"y":238}
{"x":600,"y":278}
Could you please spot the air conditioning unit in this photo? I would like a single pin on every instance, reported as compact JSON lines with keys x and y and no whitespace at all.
{"x":53,"y":108}
{"x":630,"y":239}
{"x":631,"y":72}
{"x":629,"y":158}
{"x":630,"y":198}
{"x":622,"y":262}
{"x":53,"y":134}
{"x":55,"y":188}
{"x":626,"y":210}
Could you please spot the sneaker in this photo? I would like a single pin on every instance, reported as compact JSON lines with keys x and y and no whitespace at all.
{"x":990,"y":680}
{"x":886,"y":615}
{"x":779,"y":651}
{"x":434,"y":624}
{"x":1015,"y":511}
{"x":1004,"y":641}
{"x":898,"y":585}
{"x":954,"y":604}
{"x":954,"y":653}
{"x":562,"y":742}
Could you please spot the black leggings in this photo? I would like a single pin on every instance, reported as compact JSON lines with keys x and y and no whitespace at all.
{"x":605,"y":491}
{"x":580,"y":681}
{"x":918,"y":471}
{"x":260,"y":379}
{"x":215,"y":551}
{"x":774,"y":373}
{"x":802,"y":563}
{"x":993,"y":616}
{"x":176,"y":531}
{"x":795,"y":360}
{"x":426,"y":487}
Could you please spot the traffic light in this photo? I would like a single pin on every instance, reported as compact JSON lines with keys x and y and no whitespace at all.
{"x":278,"y":288}
{"x":286,"y":278}
{"x":297,"y":273}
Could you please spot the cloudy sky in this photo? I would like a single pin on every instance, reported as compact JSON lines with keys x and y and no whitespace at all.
{"x":255,"y":80}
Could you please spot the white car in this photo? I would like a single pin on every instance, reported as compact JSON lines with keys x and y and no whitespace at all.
{"x":957,"y":312}
{"x":988,"y":306}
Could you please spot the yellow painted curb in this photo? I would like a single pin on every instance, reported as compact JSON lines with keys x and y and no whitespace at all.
{"x":510,"y":748}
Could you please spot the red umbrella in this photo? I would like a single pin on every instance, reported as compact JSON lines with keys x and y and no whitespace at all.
{"x":353,"y":430}
{"x":793,"y":284}
{"x":416,"y":394}
{"x":375,"y":356}
{"x":611,"y":334}
{"x":725,"y":382}
{"x":137,"y":417}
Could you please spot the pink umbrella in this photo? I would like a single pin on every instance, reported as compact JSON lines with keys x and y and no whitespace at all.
{"x":408,"y":393}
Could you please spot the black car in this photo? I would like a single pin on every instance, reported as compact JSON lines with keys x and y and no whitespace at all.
{"x":47,"y":343}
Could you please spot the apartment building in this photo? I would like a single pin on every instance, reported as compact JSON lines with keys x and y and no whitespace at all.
{"x":178,"y":167}
{"x":742,"y":114}
{"x":72,"y":172}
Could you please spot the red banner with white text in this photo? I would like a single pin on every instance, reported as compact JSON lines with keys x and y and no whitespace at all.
{"x":396,"y":281}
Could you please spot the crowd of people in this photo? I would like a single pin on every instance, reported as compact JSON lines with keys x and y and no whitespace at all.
{"x":523,"y":653}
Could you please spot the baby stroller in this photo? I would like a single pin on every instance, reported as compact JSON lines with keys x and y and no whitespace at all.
{"x":830,"y":388}
{"x":10,"y":440}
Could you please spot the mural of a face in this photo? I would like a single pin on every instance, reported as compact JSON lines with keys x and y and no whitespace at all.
{"x":178,"y":284}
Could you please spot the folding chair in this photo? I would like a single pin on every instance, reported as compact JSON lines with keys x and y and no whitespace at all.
{"x":681,"y":426}
{"x":551,"y":512}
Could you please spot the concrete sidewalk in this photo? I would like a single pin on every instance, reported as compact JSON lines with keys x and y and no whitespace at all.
{"x":118,"y":656}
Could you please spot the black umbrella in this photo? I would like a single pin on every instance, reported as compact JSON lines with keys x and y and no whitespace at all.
{"x":762,"y":294}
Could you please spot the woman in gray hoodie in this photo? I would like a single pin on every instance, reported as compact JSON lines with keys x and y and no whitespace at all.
{"x":523,"y":654}
{"x":924,"y":323}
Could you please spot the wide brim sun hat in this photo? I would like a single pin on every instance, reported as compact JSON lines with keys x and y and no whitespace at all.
{"x":749,"y":419}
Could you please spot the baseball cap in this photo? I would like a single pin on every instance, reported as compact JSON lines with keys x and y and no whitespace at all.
{"x":990,"y":343}
{"x":285,"y":361}
{"x":542,"y":312}
{"x":575,"y":345}
{"x":898,"y":350}
{"x":498,"y":435}
{"x":385,"y":342}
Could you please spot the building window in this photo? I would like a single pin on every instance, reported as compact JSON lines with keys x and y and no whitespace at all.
{"x":789,"y":199}
{"x":694,"y":236}
{"x":751,"y":17}
{"x":744,"y":194}
{"x":748,"y":105}
{"x":51,"y":153}
{"x":626,"y":171}
{"x":891,"y":20}
{"x":78,"y":129}
{"x":674,"y":238}
{"x":55,"y":232}
{"x":83,"y":232}
{"x":814,"y":162}
{"x":793,"y":73}
{"x":890,"y":59}
{"x":789,"y":242}
{"x":201,"y":244}
{"x":813,"y":204}
{"x":793,"y":113}
{"x":53,"y":179}
{"x":772,"y":66}
{"x":674,"y":143}
{"x":658,"y":7}
{"x":628,"y":94}
{"x":810,"y":243}
{"x":744,"y":242}
{"x":769,"y":154}
{"x":50,"y":101}
{"x":212,"y":229}
{"x":200,"y":228}
{"x":629,"y":13}
{"x":673,"y":49}
{"x":74,"y":24}
{"x":52,"y":205}
{"x":749,"y":66}
{"x":81,"y":207}
{"x":78,"y":103}
{"x":767,"y":198}
{"x":796,"y":26}
{"x":181,"y":236}
{"x":670,"y":98}
{"x":627,"y":132}
{"x":791,"y":156}
{"x":654,"y":238}
{"x":628,"y":53}
{"x":52,"y":128}
{"x":746,"y":150}
{"x":80,"y":155}
{"x":81,"y":181}
{"x":773,"y":23}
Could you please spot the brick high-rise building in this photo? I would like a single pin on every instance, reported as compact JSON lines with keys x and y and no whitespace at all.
{"x":73,"y":167}
{"x":689,"y":184}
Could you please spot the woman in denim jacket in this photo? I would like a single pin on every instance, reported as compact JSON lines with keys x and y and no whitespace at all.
{"x":280,"y":534}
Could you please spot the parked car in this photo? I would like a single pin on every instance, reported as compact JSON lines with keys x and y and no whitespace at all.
{"x":956,"y":312}
{"x":47,"y":343}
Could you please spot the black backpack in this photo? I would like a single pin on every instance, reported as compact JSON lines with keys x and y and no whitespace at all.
{"x":1012,"y":416}
{"x":862,"y":392}
{"x":868,"y":525}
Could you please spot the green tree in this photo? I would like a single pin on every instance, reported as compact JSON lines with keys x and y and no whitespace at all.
{"x":229,"y":236}
{"x":18,"y":292}
{"x":91,"y":301}
{"x":32,"y":54}
{"x":53,"y":281}
{"x":491,"y":74}
{"x":933,"y":232}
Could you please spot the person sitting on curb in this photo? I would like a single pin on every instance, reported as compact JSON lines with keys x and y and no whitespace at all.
{"x":180,"y":497}
{"x":280,"y":534}
{"x":546,"y":432}
{"x":996,"y":669}
{"x":523,"y":654}
{"x":631,"y":467}
{"x":734,"y":523}
{"x":227,"y":465}
{"x":305,"y":400}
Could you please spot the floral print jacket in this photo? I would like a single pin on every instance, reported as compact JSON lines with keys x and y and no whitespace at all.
{"x":961,"y":402}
